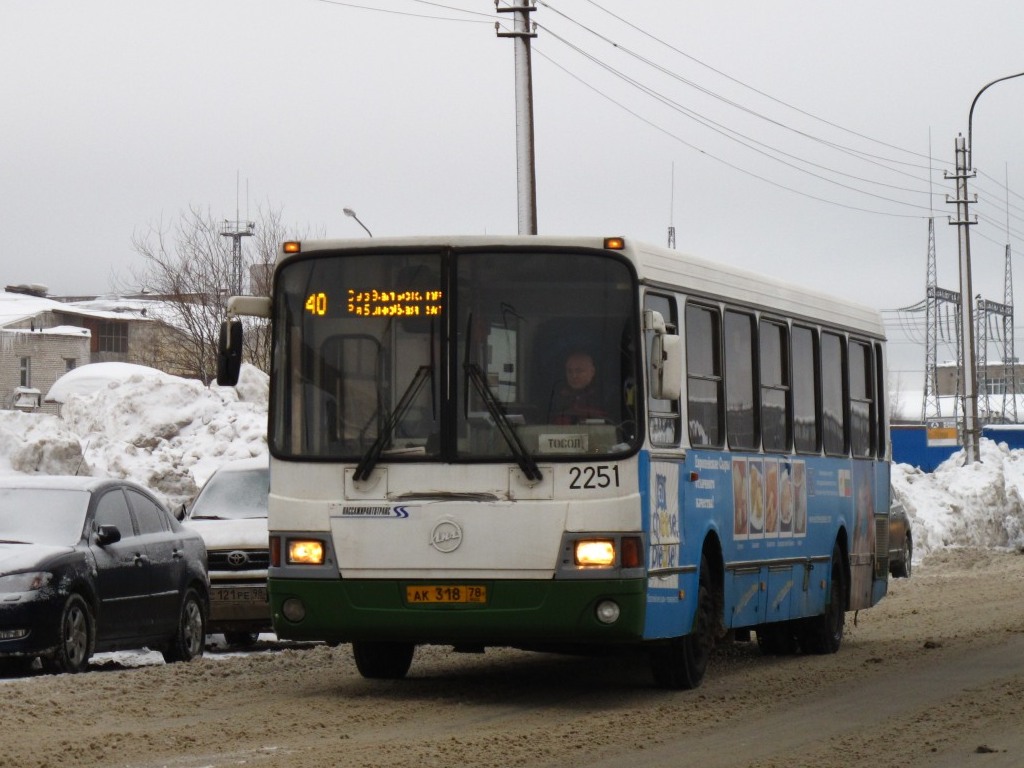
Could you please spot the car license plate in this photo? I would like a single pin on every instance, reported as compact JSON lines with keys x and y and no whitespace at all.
{"x":239,"y":595}
{"x":448,"y":593}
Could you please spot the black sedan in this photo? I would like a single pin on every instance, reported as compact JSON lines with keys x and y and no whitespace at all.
{"x":90,"y":565}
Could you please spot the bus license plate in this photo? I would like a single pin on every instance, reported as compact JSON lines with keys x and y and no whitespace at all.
{"x":449,"y":593}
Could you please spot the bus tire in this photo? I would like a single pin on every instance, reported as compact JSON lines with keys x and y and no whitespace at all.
{"x":824,"y":634}
{"x":681,"y":662}
{"x":382,"y":660}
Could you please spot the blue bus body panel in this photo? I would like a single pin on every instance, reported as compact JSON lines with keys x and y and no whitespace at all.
{"x":776,"y":519}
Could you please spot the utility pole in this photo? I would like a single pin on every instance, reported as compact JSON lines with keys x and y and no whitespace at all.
{"x":964,"y":170}
{"x":525,"y":156}
{"x":671,"y":209}
{"x":970,"y":368}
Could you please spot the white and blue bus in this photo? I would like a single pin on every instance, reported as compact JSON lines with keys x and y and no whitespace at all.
{"x":725,"y":477}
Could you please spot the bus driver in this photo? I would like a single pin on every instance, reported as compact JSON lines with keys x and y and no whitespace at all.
{"x":577,"y":398}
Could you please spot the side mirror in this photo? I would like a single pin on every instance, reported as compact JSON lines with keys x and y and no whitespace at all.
{"x":107,"y":534}
{"x":181,"y":513}
{"x":666,"y":366}
{"x":229,"y":353}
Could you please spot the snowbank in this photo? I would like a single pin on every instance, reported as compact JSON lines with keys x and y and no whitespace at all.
{"x":979,"y":504}
{"x":166,"y":432}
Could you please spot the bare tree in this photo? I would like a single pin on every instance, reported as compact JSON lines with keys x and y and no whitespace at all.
{"x":188,"y":266}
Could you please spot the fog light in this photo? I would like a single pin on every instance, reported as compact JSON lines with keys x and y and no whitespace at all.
{"x":293,"y":609}
{"x":608,"y":611}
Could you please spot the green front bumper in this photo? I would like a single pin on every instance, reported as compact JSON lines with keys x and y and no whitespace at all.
{"x":516,"y":612}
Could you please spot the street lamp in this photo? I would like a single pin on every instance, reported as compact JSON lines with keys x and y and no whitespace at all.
{"x":964,"y":169}
{"x":349,"y":212}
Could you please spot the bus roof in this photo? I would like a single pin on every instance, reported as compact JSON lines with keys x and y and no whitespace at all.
{"x":662,"y":267}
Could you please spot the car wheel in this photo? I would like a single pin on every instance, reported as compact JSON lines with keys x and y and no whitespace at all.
{"x":382,"y":661}
{"x":908,"y":555}
{"x":901,"y":565}
{"x":824,"y":633}
{"x":241,"y":639}
{"x":77,"y":637}
{"x":681,"y":662}
{"x":187,"y":643}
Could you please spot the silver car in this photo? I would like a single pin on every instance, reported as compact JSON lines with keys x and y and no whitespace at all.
{"x":230,"y":513}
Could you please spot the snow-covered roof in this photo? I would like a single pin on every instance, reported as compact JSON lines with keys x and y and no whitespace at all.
{"x":18,"y":307}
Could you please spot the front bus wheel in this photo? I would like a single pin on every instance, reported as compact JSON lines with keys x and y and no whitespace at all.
{"x":382,"y":661}
{"x":682,"y":661}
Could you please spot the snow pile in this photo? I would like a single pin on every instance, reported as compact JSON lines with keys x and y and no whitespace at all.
{"x":163,"y":431}
{"x":980,"y":504}
{"x":33,"y":442}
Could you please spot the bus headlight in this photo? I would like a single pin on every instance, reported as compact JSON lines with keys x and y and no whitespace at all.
{"x":305,"y":552}
{"x":599,"y":552}
{"x":608,"y":611}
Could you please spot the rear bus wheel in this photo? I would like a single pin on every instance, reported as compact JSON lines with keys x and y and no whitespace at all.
{"x":382,"y":661}
{"x":824,"y":633}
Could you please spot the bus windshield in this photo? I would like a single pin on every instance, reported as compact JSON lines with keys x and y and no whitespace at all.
{"x":455,"y":355}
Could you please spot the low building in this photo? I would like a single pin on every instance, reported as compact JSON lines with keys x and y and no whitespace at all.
{"x":42,"y":338}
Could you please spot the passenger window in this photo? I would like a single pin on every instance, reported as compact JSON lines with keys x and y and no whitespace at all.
{"x":150,"y":517}
{"x":741,"y":415}
{"x":112,"y":509}
{"x":833,"y":395}
{"x":776,"y":404}
{"x":806,"y":428}
{"x":862,"y":401}
{"x":704,"y":396}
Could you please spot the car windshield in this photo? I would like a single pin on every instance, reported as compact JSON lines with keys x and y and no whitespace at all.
{"x":42,"y":515}
{"x":233,"y":495}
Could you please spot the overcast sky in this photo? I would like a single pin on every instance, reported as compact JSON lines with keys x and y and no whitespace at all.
{"x":796,"y":138}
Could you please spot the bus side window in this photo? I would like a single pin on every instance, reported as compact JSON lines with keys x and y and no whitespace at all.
{"x":776,"y":400}
{"x":741,"y":416}
{"x":881,"y":424}
{"x":663,"y":415}
{"x":834,"y":395}
{"x":862,"y":400}
{"x":806,"y":423}
{"x":705,"y":401}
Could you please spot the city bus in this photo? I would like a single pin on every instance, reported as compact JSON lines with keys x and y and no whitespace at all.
{"x":725,"y":478}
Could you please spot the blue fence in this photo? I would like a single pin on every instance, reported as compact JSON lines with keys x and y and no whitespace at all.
{"x":910,"y":443}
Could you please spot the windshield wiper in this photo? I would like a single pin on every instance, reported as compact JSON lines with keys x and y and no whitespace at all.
{"x":372,"y":456}
{"x":523,"y":457}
